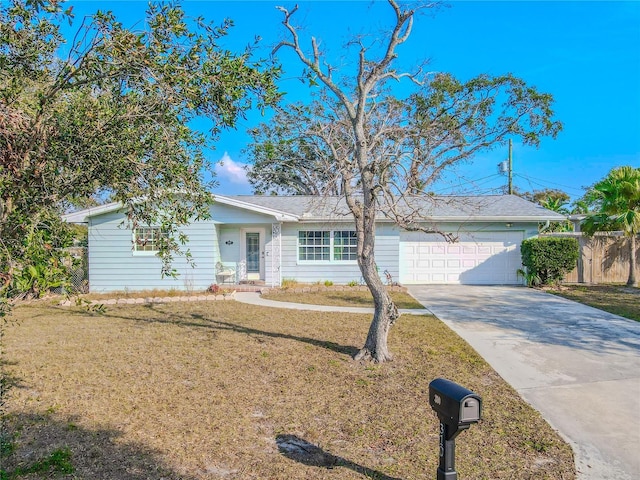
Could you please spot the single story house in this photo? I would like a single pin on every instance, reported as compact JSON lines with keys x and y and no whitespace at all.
{"x":265,"y":239}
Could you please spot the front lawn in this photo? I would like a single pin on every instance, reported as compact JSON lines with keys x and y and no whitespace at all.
{"x":618,"y":299}
{"x":223,"y":390}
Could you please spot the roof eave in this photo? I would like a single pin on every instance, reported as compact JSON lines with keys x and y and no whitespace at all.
{"x":82,"y":216}
{"x":277,"y":214}
{"x":497,"y":218}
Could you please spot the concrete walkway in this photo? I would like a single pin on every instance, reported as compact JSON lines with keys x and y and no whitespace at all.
{"x":578,"y":366}
{"x":254,"y":298}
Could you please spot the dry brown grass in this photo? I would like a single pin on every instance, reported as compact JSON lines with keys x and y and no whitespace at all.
{"x":342,"y":298}
{"x":207,"y":390}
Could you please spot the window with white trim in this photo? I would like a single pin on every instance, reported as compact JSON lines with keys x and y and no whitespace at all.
{"x":314,"y":245}
{"x":146,"y":239}
{"x":327,"y":246}
{"x":345,"y":245}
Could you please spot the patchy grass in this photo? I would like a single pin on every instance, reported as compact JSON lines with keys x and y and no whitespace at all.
{"x":342,"y":298}
{"x":58,"y":462}
{"x":231,"y":391}
{"x":618,"y":299}
{"x":223,"y":290}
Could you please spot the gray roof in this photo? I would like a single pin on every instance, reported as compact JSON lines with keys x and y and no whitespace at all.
{"x":504,"y":208}
{"x":435,"y":208}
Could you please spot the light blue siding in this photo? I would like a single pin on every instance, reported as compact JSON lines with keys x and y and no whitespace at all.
{"x":233,"y":215}
{"x":114,"y":266}
{"x":340,"y":273}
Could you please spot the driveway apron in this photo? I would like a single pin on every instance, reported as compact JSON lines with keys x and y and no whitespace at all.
{"x":578,"y":366}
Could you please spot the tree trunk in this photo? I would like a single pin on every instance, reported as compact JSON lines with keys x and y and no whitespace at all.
{"x":632,"y":282}
{"x":385,"y":315}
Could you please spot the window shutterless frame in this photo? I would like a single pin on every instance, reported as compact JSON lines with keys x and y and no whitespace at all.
{"x":327,"y":246}
{"x":146,"y":240}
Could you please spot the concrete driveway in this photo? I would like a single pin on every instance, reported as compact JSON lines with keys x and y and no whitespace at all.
{"x":578,"y":366}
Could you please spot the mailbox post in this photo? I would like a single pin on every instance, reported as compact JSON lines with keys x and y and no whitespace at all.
{"x":457,"y":408}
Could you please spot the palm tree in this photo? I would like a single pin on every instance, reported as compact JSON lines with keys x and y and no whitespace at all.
{"x":616,"y":202}
{"x":557,"y":204}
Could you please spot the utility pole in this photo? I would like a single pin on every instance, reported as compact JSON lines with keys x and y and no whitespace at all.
{"x":506,"y":166}
{"x":510,"y":189}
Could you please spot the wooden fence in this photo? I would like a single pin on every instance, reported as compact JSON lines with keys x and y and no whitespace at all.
{"x":604,"y":258}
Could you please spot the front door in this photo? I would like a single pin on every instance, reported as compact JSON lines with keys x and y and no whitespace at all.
{"x":254,"y":254}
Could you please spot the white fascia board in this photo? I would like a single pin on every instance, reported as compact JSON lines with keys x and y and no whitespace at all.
{"x":82,"y":216}
{"x":277,"y":214}
{"x":514,"y":218}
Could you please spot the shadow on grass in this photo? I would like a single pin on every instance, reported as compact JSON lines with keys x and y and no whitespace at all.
{"x":94,"y":454}
{"x":298,"y":449}
{"x":196,"y":320}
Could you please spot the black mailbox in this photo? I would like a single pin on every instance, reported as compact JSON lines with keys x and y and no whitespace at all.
{"x":453,"y":403}
{"x":457,"y":408}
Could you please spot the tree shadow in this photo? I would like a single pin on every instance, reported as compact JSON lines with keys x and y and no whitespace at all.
{"x":200,"y":321}
{"x":615,"y":251}
{"x":302,"y":451}
{"x":95,"y":454}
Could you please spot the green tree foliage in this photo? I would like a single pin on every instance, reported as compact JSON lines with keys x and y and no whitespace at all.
{"x":615,"y":206}
{"x":378,"y":151}
{"x":554,"y":195}
{"x":548,"y":259}
{"x":554,"y":200}
{"x":109,"y":113}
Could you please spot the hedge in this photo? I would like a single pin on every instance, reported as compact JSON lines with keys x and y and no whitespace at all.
{"x":548,"y":259}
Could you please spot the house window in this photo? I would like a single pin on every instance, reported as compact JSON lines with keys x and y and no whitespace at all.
{"x":327,"y":246}
{"x":145,"y":239}
{"x":314,"y":246}
{"x":345,"y":245}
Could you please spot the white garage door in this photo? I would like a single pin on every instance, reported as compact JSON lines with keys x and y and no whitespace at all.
{"x":483,"y":258}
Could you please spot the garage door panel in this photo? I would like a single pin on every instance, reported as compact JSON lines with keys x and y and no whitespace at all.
{"x":483,"y":258}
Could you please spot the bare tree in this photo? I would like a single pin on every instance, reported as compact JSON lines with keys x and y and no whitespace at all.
{"x":383,"y":152}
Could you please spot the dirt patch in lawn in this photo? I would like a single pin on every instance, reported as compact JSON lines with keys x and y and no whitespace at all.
{"x":344,"y":298}
{"x":222,"y":390}
{"x":618,"y":299}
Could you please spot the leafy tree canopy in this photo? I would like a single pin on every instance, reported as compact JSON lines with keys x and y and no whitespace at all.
{"x":614,"y":202}
{"x":109,"y":113}
{"x":358,"y":140}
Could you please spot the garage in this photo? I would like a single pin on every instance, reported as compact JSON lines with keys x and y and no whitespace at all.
{"x":477,"y":258}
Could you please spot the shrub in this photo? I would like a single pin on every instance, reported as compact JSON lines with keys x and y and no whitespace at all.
{"x":548,"y":259}
{"x":328,"y":283}
{"x":214,"y":288}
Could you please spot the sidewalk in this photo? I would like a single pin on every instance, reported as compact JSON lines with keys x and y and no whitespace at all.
{"x":254,"y":298}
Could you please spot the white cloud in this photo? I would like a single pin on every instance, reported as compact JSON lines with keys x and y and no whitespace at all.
{"x":231,"y":175}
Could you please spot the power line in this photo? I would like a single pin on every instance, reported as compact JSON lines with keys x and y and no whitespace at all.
{"x":531,"y":180}
{"x":469,"y":182}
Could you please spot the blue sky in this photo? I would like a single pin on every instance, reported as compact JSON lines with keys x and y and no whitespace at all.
{"x":586,"y":54}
